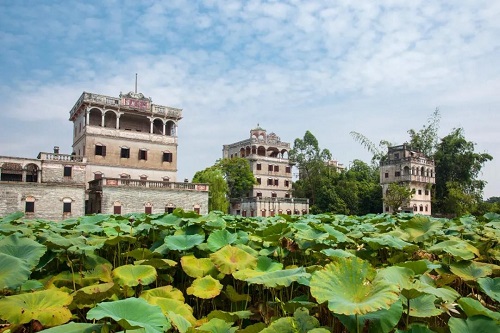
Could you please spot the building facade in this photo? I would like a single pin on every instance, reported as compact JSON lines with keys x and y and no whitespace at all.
{"x":124,"y":160}
{"x":268,"y":158}
{"x":404,"y":165}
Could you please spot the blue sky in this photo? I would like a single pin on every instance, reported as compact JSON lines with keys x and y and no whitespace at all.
{"x":331,"y":67}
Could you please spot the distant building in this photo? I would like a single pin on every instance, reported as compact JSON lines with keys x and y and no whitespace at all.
{"x":268,"y":157}
{"x":406,"y":166}
{"x":124,"y":160}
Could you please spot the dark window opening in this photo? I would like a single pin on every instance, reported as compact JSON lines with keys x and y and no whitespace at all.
{"x":287,"y":183}
{"x":386,"y":175}
{"x":169,"y":210}
{"x":29,"y":207}
{"x":117,"y":210}
{"x":167,"y":157}
{"x":66,"y":207}
{"x":276,"y":182}
{"x":148,"y":210}
{"x":270,"y":168}
{"x":67,"y":171}
{"x":97,"y":175}
{"x":288,"y":169}
{"x":125,"y":153}
{"x":100,"y":150}
{"x":397,"y":174}
{"x":274,"y":195}
{"x":143,"y":154}
{"x":276,"y":168}
{"x":259,"y":181}
{"x":259,"y":166}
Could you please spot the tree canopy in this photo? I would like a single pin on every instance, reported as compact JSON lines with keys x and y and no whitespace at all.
{"x":218,"y":189}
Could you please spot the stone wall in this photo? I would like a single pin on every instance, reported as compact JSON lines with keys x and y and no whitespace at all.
{"x":48,"y":199}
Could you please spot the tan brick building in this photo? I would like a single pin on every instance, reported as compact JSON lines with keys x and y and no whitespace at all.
{"x":268,"y":157}
{"x":124,"y":160}
{"x":407,"y":166}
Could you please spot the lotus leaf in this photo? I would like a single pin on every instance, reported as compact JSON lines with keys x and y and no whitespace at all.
{"x":419,"y":266}
{"x":417,"y":328}
{"x":400,"y":276}
{"x":473,"y":307}
{"x":491,"y":287}
{"x":49,"y":307}
{"x":349,"y":287}
{"x":230,"y":259}
{"x":179,"y":322}
{"x":381,"y":321}
{"x":174,"y":305}
{"x":470,"y":270}
{"x":196,"y":268}
{"x":217,"y":325}
{"x":142,"y":253}
{"x":89,"y":296}
{"x":387,"y":240}
{"x":205,"y":287}
{"x":280,"y":278}
{"x":23,"y":248}
{"x":72,"y":327}
{"x":156,"y":262}
{"x":219,"y":239}
{"x":421,"y":228}
{"x":424,"y":306}
{"x":132,"y":275}
{"x":457,"y":248}
{"x":233,"y":295}
{"x":14,"y":271}
{"x":11,"y":217}
{"x":31,"y":285}
{"x":132,"y":313}
{"x":301,"y":322}
{"x":337,"y":253}
{"x":474,"y":324}
{"x":229,"y":317}
{"x":255,"y":328}
{"x":183,"y":242}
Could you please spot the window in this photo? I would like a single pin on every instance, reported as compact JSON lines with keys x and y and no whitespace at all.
{"x":419,"y":192}
{"x":148,"y":208}
{"x":421,"y":208}
{"x":426,"y":192}
{"x":259,"y":195}
{"x":276,"y":168}
{"x":100,"y":150}
{"x":97,"y":175}
{"x":66,"y":207}
{"x":396,"y":156}
{"x":167,"y":157}
{"x":259,"y":166}
{"x":143,"y":154}
{"x":125,"y":152}
{"x":426,"y":208}
{"x":386,"y":175}
{"x":287,"y":183}
{"x":270,"y":167}
{"x":259,"y":181}
{"x":117,"y":210}
{"x":169,"y":208}
{"x":67,"y":171}
{"x":197,"y":209}
{"x":276,"y":182}
{"x":263,"y":213}
{"x":287,"y":195}
{"x":244,"y":213}
{"x":288,"y":169}
{"x":273,"y":195}
{"x":269,"y":181}
{"x":29,"y":205}
{"x":397,"y":174}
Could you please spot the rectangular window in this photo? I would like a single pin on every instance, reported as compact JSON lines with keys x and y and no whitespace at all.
{"x":426,"y":192}
{"x":276,"y":168}
{"x":386,"y":175}
{"x":169,"y":210}
{"x":259,"y":181}
{"x":288,"y":169}
{"x":197,"y":210}
{"x":259,"y":166}
{"x":148,"y":210}
{"x":117,"y":210}
{"x":97,"y":175}
{"x":273,"y":195}
{"x":287,"y":183}
{"x":419,"y":192}
{"x":66,"y":207}
{"x":397,"y":174}
{"x":259,"y":194}
{"x":276,"y":182}
{"x":244,"y":213}
{"x":29,"y":207}
{"x":125,"y":153}
{"x":143,"y":154}
{"x":269,"y":181}
{"x":100,"y":150}
{"x":270,"y":167}
{"x":67,"y":171}
{"x":167,"y":157}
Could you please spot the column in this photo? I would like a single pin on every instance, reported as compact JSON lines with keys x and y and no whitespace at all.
{"x":87,"y":116}
{"x":118,"y":121}
{"x":102,"y":120}
{"x":164,"y":128}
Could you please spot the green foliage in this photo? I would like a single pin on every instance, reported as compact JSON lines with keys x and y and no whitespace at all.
{"x":219,"y":273}
{"x":218,"y":189}
{"x":398,"y":196}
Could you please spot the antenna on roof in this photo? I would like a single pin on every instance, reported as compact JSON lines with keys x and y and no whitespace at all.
{"x":136,"y":83}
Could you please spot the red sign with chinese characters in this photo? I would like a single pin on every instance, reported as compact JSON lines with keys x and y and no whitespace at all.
{"x":136,"y":103}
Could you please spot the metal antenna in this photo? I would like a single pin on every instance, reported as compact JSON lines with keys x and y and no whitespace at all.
{"x":136,"y":83}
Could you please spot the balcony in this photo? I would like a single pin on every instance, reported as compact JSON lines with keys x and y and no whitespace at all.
{"x":98,"y":184}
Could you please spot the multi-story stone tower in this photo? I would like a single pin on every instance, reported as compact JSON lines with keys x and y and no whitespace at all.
{"x":406,"y":166}
{"x":268,"y":157}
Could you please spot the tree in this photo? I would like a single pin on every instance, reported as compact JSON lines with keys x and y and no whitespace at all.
{"x":311,"y":162}
{"x":426,"y":140}
{"x":457,"y":169}
{"x":398,"y":196}
{"x":217,"y":199}
{"x":238,"y":175}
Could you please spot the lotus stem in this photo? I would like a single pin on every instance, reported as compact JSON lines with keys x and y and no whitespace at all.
{"x":408,"y":312}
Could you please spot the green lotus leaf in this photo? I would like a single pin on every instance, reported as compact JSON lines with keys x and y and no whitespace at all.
{"x":205,"y":287}
{"x":386,"y":240}
{"x":176,"y":306}
{"x":424,"y":306}
{"x":217,"y":325}
{"x":474,"y":324}
{"x":233,"y":295}
{"x":418,"y":266}
{"x":219,"y":239}
{"x":142,"y":254}
{"x":183,"y":242}
{"x":457,"y":248}
{"x":230,"y":259}
{"x":490,"y":286}
{"x":132,"y":313}
{"x":349,"y":287}
{"x":416,"y":328}
{"x":279,"y":278}
{"x":421,"y":228}
{"x":156,"y":262}
{"x":72,"y":327}
{"x":473,"y":307}
{"x":470,"y":270}
{"x":14,"y":271}
{"x":264,"y":265}
{"x":179,"y":322}
{"x":132,"y":275}
{"x":337,"y":253}
{"x":400,"y":276}
{"x":23,"y":248}
{"x":197,"y":268}
{"x":301,"y":322}
{"x":49,"y":307}
{"x":11,"y":217}
{"x":163,"y":292}
{"x":229,"y":317}
{"x":115,"y":239}
{"x":90,"y":295}
{"x":447,"y":294}
{"x":381,"y":321}
{"x":31,"y":285}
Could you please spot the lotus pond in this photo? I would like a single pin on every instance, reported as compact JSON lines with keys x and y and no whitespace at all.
{"x":218,"y":273}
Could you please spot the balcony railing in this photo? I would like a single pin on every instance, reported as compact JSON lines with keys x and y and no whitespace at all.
{"x":417,"y":160}
{"x":98,"y":184}
{"x":271,"y":199}
{"x":60,"y":157}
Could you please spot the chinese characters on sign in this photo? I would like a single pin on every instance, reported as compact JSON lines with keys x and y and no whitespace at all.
{"x":136,"y":103}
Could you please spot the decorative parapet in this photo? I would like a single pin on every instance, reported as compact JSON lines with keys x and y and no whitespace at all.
{"x":60,"y":157}
{"x":417,"y":160}
{"x":271,"y":199}
{"x":130,"y":101}
{"x":98,"y":184}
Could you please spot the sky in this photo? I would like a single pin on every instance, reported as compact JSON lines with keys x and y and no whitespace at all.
{"x":378,"y":68}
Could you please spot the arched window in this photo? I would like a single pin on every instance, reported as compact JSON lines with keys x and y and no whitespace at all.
{"x":29,"y":207}
{"x":148,"y":208}
{"x":67,"y":205}
{"x":169,"y":208}
{"x":117,"y":208}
